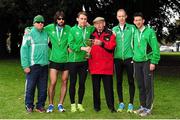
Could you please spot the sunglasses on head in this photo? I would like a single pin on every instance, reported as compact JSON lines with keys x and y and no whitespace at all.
{"x":40,"y":22}
{"x":60,"y":18}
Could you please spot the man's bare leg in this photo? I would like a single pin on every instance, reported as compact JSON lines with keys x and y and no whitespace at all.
{"x":53,"y":80}
{"x":64,"y":81}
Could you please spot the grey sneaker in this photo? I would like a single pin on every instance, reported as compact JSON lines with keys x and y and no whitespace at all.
{"x":145,"y":112}
{"x":140,"y":110}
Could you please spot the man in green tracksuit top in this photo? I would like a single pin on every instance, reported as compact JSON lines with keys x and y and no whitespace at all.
{"x":34,"y":60}
{"x":58,"y":35}
{"x":146,"y":56}
{"x":123,"y":58}
{"x":77,"y":41}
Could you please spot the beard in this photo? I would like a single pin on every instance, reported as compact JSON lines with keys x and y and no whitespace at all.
{"x":61,"y":24}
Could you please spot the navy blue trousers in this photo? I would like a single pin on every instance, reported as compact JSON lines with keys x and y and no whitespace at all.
{"x":38,"y":77}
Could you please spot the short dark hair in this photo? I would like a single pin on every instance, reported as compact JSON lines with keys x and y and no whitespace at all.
{"x":82,"y":13}
{"x":138,"y":14}
{"x":57,"y":15}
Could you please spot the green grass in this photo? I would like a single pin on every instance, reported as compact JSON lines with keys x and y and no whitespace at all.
{"x":12,"y":80}
{"x":170,"y":53}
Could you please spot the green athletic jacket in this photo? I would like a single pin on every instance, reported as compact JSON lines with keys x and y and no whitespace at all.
{"x":141,"y":42}
{"x":59,"y":41}
{"x":77,"y":39}
{"x":34,"y":49}
{"x":124,"y":42}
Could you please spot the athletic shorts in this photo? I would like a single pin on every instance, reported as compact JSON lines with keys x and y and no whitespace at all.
{"x":58,"y":66}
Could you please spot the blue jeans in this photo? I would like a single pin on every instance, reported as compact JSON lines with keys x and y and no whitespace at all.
{"x":38,"y":77}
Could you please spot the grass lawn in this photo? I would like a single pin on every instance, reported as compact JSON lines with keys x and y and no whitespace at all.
{"x":12,"y":80}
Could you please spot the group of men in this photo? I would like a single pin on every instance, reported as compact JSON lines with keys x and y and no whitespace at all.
{"x":129,"y":47}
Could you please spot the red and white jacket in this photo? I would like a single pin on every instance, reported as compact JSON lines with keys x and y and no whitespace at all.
{"x":102,"y":60}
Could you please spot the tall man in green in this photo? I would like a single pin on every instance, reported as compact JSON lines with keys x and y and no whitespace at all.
{"x":146,"y":56}
{"x":58,"y":34}
{"x":78,"y":65}
{"x":123,"y":58}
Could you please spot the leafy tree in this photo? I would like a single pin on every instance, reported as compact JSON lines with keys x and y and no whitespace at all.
{"x":15,"y":15}
{"x":165,"y":12}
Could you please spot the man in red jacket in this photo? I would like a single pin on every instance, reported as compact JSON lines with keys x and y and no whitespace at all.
{"x":101,"y":63}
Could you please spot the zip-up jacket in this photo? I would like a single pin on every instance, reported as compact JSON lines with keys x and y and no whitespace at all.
{"x":59,"y":40}
{"x":124,"y":38}
{"x":77,"y":39}
{"x":102,"y":59}
{"x":34,"y":49}
{"x":146,"y":46}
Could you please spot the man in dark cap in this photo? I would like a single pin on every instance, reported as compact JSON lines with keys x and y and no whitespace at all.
{"x":34,"y":61}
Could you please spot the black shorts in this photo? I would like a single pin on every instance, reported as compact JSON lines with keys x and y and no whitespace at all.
{"x":58,"y":66}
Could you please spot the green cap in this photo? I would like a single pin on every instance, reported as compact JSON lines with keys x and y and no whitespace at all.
{"x":38,"y":18}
